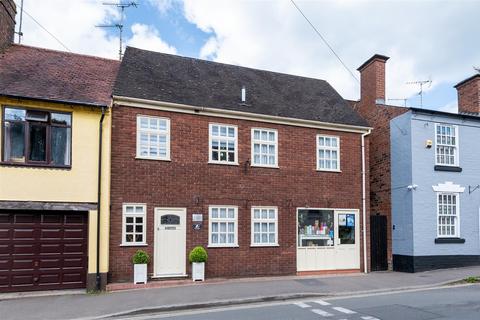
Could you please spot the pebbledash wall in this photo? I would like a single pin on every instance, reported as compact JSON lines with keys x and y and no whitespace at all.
{"x":416,"y":245}
{"x":189,"y":181}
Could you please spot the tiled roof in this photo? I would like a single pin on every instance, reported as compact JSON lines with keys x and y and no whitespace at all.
{"x":36,"y":73}
{"x":170,"y":78}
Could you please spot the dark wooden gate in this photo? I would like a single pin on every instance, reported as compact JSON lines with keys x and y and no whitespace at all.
{"x":378,"y":243}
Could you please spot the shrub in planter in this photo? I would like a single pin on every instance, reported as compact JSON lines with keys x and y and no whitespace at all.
{"x":198,"y":256}
{"x":140,"y":260}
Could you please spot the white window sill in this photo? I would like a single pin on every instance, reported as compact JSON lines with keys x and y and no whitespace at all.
{"x":149,"y":158}
{"x":266,"y":245}
{"x":133,"y":245}
{"x":224,"y":163}
{"x":222,"y":246}
{"x":264,"y":166}
{"x":327,"y":170}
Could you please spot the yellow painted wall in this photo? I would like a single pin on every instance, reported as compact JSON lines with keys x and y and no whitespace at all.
{"x":78,"y":184}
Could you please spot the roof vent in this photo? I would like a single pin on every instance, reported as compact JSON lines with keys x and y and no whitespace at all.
{"x":244,"y":95}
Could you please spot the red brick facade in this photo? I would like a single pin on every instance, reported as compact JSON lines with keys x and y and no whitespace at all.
{"x":7,"y":25}
{"x":378,"y":116}
{"x":188,"y":181}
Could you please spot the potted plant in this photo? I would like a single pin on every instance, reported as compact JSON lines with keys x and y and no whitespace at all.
{"x":140,"y":261}
{"x":198,"y":256}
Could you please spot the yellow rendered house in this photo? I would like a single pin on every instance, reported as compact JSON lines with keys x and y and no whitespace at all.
{"x":55,"y":124}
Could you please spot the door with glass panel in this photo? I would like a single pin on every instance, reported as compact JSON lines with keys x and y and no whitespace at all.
{"x":347,"y":240}
{"x":170,"y":242}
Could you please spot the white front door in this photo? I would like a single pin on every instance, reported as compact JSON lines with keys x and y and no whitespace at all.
{"x":170,"y":242}
{"x":347,"y":240}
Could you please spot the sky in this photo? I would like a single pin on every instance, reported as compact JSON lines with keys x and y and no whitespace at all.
{"x":433,"y":40}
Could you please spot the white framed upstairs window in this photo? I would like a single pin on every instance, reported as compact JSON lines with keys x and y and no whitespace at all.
{"x":446,"y":145}
{"x":134,"y":224}
{"x":264,"y":226}
{"x":328,"y":153}
{"x":223,"y":144}
{"x":264,"y":147}
{"x":223,"y":226}
{"x":448,"y":212}
{"x":153,"y":138}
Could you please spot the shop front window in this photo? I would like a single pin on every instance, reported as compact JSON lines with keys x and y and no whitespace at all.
{"x":315,"y":228}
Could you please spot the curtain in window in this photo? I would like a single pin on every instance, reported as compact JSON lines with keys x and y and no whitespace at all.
{"x":60,"y":145}
{"x":14,"y":141}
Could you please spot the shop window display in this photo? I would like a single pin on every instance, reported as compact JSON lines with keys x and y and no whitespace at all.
{"x":315,"y":228}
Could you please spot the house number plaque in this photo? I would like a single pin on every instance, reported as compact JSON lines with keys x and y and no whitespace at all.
{"x":197,"y":217}
{"x":197,"y":226}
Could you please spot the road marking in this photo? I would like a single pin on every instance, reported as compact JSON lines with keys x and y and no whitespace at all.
{"x":322,"y":303}
{"x":344,"y":310}
{"x":369,"y":318}
{"x":302,"y":305}
{"x":322,"y":313}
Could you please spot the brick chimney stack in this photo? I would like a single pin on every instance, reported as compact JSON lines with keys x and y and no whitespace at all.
{"x":468,"y":92}
{"x":372,"y":80}
{"x":8,"y":11}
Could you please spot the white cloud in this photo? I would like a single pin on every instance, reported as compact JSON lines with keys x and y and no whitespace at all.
{"x":452,"y":107}
{"x":209,"y":49}
{"x":74,"y":23}
{"x":147,"y":37}
{"x":423,"y":39}
{"x":162,"y":5}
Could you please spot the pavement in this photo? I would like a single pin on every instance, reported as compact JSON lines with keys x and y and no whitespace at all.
{"x":222,"y":293}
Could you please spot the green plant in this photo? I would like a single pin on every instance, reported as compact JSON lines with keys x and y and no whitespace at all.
{"x":198,"y":254}
{"x":140,"y":257}
{"x":472,"y":279}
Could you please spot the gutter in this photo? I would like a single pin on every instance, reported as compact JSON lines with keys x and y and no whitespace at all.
{"x":364,"y":204}
{"x":72,"y":102}
{"x":225,"y":113}
{"x":98,"y":280}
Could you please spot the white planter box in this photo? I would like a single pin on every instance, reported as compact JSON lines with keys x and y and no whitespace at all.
{"x":139,"y":273}
{"x":198,"y":271}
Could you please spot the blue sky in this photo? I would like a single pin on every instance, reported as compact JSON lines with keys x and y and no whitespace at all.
{"x":425,"y":39}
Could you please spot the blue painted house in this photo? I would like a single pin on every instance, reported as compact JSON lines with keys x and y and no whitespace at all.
{"x":435,"y":178}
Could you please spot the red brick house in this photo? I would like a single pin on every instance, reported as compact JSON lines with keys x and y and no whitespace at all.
{"x":262,"y":169}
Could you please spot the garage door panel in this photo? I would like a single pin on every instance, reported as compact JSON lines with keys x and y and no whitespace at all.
{"x":24,"y":249}
{"x":5,"y":265}
{"x":4,"y":233}
{"x":23,"y":264}
{"x":4,"y":218}
{"x":74,"y":248}
{"x":73,"y":233}
{"x":51,"y":234}
{"x":75,"y":220}
{"x":52,"y":219}
{"x":5,"y":249}
{"x":73,"y":277}
{"x":43,"y":250}
{"x":23,"y":234}
{"x":30,"y":218}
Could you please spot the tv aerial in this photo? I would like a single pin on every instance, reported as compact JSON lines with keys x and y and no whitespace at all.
{"x":421,"y":84}
{"x":119,"y":25}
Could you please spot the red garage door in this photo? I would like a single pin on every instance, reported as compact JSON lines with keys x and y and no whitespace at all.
{"x":42,"y":250}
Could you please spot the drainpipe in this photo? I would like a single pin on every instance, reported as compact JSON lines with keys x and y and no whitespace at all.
{"x":99,"y":201}
{"x":364,"y":204}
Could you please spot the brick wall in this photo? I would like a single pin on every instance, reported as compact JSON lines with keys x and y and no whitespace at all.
{"x":188,"y":181}
{"x":379,"y":117}
{"x":7,"y":22}
{"x":468,"y":92}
